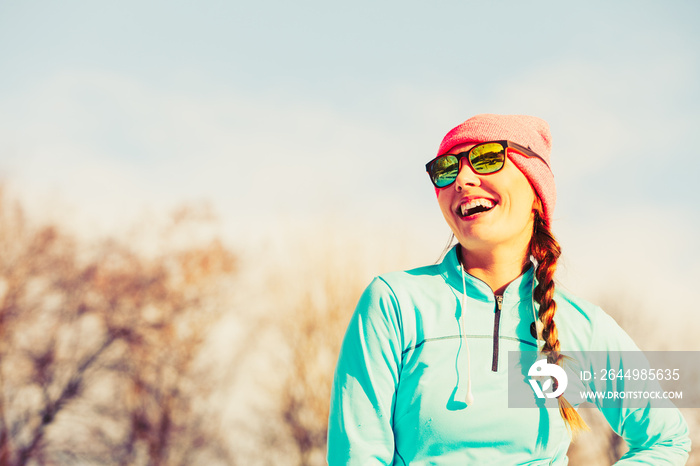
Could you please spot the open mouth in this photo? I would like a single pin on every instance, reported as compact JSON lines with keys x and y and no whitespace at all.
{"x":475,"y":206}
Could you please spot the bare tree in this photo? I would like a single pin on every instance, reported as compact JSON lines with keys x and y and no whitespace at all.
{"x":100,"y":348}
{"x":311,"y":330}
{"x":308,"y":330}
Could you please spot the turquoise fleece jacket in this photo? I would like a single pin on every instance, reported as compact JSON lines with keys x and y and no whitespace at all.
{"x":400,"y":383}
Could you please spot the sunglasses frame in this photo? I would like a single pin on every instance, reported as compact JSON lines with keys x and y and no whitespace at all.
{"x":506,"y":144}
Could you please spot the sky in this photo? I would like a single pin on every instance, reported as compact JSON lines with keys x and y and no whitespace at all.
{"x":288,"y":116}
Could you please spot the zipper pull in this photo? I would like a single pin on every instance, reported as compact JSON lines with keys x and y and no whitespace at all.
{"x":496,"y":323}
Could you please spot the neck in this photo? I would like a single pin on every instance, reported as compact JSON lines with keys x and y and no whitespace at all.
{"x":496,"y":267}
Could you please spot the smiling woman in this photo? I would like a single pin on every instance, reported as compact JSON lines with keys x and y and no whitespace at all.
{"x":423,"y":373}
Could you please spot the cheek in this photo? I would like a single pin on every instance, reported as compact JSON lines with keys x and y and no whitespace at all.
{"x":527,"y":202}
{"x":521,"y":192}
{"x":444,"y":200}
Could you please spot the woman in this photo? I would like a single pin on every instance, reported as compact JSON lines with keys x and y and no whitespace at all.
{"x":422,"y":376}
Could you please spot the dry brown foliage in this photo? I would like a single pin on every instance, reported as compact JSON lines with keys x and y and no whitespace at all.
{"x":312,"y":328}
{"x":100,"y":348}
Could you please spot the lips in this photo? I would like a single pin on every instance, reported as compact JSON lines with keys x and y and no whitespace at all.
{"x":471,"y":207}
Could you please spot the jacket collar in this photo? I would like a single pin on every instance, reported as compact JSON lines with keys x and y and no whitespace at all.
{"x":518,"y":289}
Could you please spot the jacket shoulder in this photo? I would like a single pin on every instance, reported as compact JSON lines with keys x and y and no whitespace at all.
{"x":575,"y":306}
{"x":412,"y":276}
{"x":404,"y":289}
{"x":586,"y":325}
{"x":415,"y":284}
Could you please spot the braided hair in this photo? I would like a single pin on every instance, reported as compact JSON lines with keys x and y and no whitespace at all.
{"x":546,"y":251}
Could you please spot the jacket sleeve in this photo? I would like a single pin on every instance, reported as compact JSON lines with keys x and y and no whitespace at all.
{"x":655,"y":435}
{"x":364,"y":386}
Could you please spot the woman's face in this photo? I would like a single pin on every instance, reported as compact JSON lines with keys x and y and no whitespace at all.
{"x":489,"y":211}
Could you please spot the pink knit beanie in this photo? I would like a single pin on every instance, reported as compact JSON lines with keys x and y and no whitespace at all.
{"x":528,"y":131}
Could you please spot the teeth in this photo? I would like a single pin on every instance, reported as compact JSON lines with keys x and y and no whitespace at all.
{"x":481,"y":202}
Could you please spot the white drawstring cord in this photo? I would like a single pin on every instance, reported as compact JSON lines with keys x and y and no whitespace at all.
{"x":470,"y":398}
{"x":538,"y":329}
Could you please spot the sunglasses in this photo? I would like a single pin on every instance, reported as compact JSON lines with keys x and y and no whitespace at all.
{"x":484,"y":159}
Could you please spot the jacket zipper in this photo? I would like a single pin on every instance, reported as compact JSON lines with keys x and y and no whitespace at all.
{"x":496,"y":322}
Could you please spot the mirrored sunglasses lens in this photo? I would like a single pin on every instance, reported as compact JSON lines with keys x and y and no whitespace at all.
{"x":487,"y":158}
{"x":444,"y":170}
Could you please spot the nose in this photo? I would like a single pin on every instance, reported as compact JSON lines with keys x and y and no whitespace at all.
{"x":466,"y":177}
